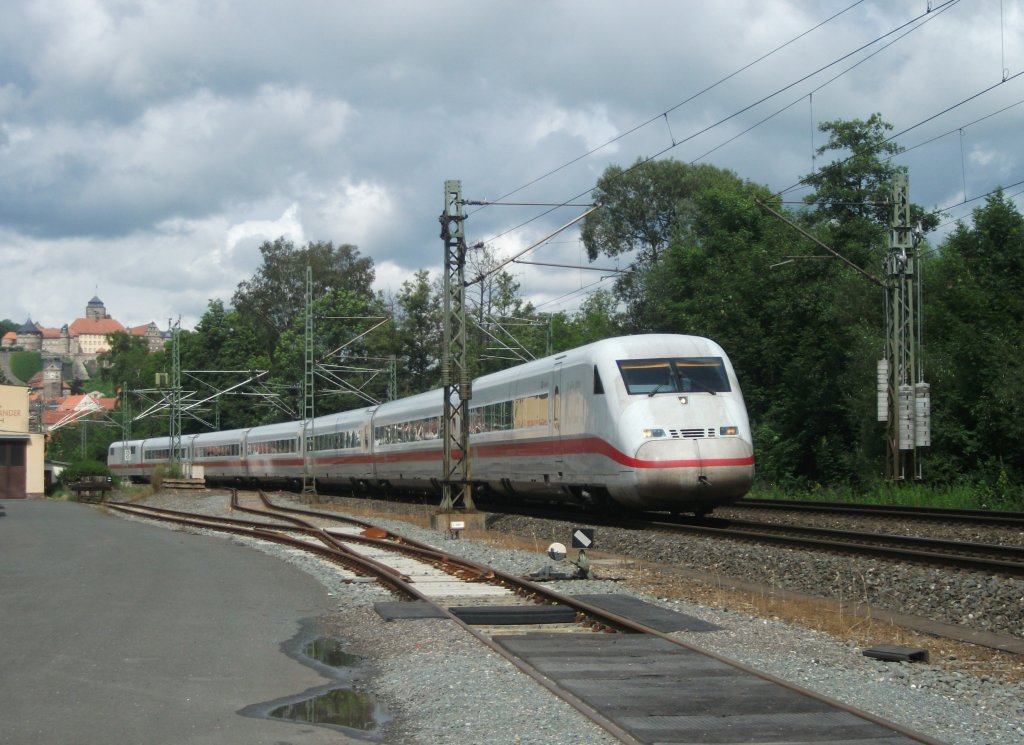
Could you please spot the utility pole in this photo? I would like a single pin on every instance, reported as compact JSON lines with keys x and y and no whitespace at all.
{"x":903,"y":396}
{"x":392,"y":378}
{"x":126,"y":419}
{"x":308,"y":408}
{"x":174,"y":414}
{"x":455,"y":377}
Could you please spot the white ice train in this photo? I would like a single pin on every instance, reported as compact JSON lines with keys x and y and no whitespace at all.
{"x":650,"y":422}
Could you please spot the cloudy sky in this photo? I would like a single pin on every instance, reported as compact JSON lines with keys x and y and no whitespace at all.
{"x":147,"y":148}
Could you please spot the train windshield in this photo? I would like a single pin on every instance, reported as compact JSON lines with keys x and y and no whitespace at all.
{"x":675,"y":375}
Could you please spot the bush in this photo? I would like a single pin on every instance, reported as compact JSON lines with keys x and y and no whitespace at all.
{"x":164,"y":472}
{"x":77,"y":470}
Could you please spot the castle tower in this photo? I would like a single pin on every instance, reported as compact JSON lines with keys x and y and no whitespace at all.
{"x":52,"y":380}
{"x":30,"y":338}
{"x":95,"y":309}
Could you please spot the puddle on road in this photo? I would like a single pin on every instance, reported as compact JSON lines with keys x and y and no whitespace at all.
{"x":330,"y":652}
{"x":341,"y":704}
{"x":343,"y":707}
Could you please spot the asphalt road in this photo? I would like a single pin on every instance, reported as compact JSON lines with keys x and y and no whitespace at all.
{"x":113,"y":631}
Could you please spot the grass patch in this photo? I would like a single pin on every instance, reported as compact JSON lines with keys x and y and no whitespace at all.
{"x":26,"y":364}
{"x":1001,"y":495}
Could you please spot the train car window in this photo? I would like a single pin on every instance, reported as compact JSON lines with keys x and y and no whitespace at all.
{"x":674,"y":375}
{"x":598,"y":385}
{"x":702,"y":374}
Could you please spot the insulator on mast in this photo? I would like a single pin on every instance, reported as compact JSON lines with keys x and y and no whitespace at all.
{"x":882,"y":387}
{"x":906,"y":417}
{"x":922,"y":415}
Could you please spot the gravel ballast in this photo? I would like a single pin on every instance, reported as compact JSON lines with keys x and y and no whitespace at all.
{"x":442,"y":686}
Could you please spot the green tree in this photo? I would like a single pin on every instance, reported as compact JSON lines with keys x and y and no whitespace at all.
{"x":274,"y":297}
{"x":417,"y":326}
{"x":597,"y":318}
{"x":852,"y":193}
{"x":643,"y":210}
{"x":221,"y":352}
{"x":803,"y":329}
{"x":505,"y":329}
{"x":974,"y":339}
{"x":346,"y":357}
{"x":128,"y":361}
{"x":785,"y":325}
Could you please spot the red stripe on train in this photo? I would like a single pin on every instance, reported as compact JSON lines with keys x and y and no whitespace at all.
{"x":533,"y":448}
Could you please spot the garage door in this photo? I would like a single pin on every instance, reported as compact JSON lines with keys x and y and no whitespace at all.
{"x":12,"y":469}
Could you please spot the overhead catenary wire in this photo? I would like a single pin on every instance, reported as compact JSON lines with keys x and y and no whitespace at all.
{"x":810,"y":95}
{"x":912,"y":127}
{"x":897,"y":29}
{"x":696,"y":95}
{"x":915,"y":23}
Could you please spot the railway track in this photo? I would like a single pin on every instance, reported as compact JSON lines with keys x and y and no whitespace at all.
{"x":640,"y":684}
{"x":981,"y":557}
{"x":979,"y":517}
{"x":1000,"y":559}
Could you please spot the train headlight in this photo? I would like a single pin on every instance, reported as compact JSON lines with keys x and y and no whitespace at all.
{"x":731,"y":431}
{"x":652,"y":433}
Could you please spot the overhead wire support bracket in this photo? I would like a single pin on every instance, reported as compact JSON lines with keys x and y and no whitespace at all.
{"x":864,"y":273}
{"x":573,"y":266}
{"x":549,"y":236}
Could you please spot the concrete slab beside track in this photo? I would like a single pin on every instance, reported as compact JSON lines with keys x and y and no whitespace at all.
{"x":662,"y":693}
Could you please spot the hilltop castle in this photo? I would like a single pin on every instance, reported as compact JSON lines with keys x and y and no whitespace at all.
{"x":70,"y":351}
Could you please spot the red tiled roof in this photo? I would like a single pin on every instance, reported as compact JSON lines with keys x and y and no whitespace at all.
{"x":100,"y":326}
{"x":71,"y":403}
{"x":10,"y":335}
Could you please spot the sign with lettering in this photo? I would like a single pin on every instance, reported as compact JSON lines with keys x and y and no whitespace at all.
{"x":13,"y":409}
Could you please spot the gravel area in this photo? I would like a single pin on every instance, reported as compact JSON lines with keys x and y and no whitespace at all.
{"x":443,"y":687}
{"x":968,"y":599}
{"x":950,"y":530}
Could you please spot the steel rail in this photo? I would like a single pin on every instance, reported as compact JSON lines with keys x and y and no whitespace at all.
{"x":1015,"y":554}
{"x":993,"y":517}
{"x":342,"y":556}
{"x":608,"y":621}
{"x":395,"y":583}
{"x":905,"y":548}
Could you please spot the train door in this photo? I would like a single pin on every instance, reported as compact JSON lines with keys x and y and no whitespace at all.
{"x":12,"y":468}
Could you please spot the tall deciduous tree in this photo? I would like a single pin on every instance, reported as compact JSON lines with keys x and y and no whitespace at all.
{"x":974,"y":339}
{"x":128,"y":361}
{"x":643,"y":209}
{"x":221,"y":351}
{"x":275,"y":296}
{"x":852,"y":193}
{"x":418,"y":335}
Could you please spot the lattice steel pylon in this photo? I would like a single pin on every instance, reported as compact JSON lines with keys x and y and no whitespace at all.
{"x":908,"y":405}
{"x":455,"y":377}
{"x":308,"y":400}
{"x":174,"y":412}
{"x":126,"y":419}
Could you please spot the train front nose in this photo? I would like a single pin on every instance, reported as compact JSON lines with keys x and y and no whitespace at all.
{"x":694,"y":474}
